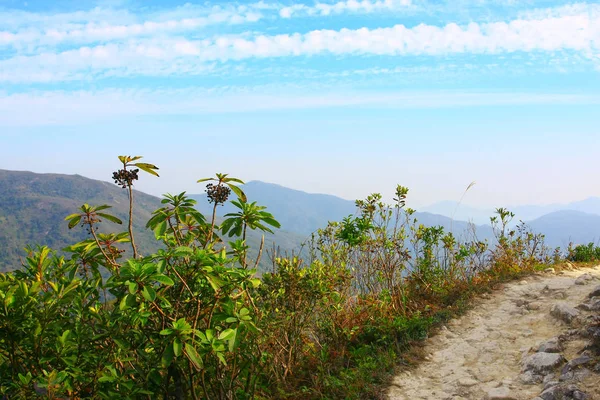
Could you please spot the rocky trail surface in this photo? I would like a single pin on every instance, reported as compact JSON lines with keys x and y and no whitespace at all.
{"x":538,"y":338}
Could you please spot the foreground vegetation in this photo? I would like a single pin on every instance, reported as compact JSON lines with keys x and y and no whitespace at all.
{"x":193,"y":321}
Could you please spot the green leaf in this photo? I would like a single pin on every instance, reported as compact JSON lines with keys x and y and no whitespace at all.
{"x":149,"y":293}
{"x":255,"y":282}
{"x":160,"y":229}
{"x":149,"y":168}
{"x":127,"y":301}
{"x":177,"y":347}
{"x":74,"y":221}
{"x":241,"y":182}
{"x":214,"y":281}
{"x":227,"y":334}
{"x":111,"y":218}
{"x":133,"y":287}
{"x":167,"y":357}
{"x":193,"y":356}
{"x":239,"y":193}
{"x":25,"y":379}
{"x":204,"y":180}
{"x":165,"y":280}
{"x":166,"y":332}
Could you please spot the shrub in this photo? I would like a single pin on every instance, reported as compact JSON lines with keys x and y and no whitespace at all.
{"x":193,"y":321}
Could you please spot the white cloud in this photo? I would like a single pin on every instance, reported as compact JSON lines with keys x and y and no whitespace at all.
{"x":355,"y":6}
{"x":22,"y":29}
{"x":579,"y":33}
{"x":73,"y":108}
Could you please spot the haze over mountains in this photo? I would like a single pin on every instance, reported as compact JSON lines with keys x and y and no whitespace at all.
{"x":466,"y":212}
{"x":33,"y":207}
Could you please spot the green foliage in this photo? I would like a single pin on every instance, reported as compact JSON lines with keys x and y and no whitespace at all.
{"x":191,"y":320}
{"x":584,"y":253}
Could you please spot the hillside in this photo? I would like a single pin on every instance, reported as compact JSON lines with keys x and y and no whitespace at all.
{"x":33,"y":207}
{"x":531,"y":212}
{"x":304,"y":213}
{"x":297,"y":211}
{"x":562,"y":227}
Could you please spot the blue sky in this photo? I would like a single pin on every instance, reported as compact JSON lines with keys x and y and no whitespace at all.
{"x":344,"y":97}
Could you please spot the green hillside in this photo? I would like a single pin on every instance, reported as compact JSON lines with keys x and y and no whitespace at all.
{"x":33,"y":207}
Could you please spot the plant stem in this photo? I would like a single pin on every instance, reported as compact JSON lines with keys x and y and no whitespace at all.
{"x":212,"y":224}
{"x":135,"y":253}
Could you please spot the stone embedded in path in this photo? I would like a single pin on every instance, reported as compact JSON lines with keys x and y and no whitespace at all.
{"x":583,"y":279}
{"x":592,"y":305}
{"x":500,"y":393}
{"x":560,"y":392}
{"x":542,"y":363}
{"x":595,"y":292}
{"x":467,"y":382}
{"x":549,"y":270}
{"x":564,"y":312}
{"x":550,"y":346}
{"x":529,"y":378}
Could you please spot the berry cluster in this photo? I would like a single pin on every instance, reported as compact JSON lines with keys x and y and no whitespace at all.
{"x":217,"y":194}
{"x":125,"y":178}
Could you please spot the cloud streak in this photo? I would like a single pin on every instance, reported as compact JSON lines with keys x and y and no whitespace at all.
{"x":73,"y":108}
{"x":579,"y":33}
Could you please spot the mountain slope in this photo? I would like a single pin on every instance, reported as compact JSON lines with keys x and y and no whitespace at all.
{"x":562,"y":227}
{"x":465,"y":212}
{"x":297,"y":211}
{"x":304,"y":213}
{"x":33,"y":207}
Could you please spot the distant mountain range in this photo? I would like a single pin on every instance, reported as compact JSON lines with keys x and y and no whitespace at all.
{"x":525,"y":213}
{"x":33,"y":206}
{"x":304,"y":213}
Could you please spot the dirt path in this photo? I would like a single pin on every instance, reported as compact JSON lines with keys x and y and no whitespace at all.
{"x":480,"y":353}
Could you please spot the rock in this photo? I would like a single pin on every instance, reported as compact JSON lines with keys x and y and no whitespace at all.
{"x":576,"y":362}
{"x":550,"y":346}
{"x":549,"y":384}
{"x":549,"y":270}
{"x":576,"y":375}
{"x":592,"y":305}
{"x":500,"y":393}
{"x":560,"y":392}
{"x":529,"y":378}
{"x":583,"y":279}
{"x":533,"y":306}
{"x":595,"y":292}
{"x":564,"y":312}
{"x":521,"y":302}
{"x":468,"y":382}
{"x":542,"y":363}
{"x":523,"y":283}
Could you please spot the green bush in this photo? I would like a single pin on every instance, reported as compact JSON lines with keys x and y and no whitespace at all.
{"x":193,"y":321}
{"x":584,"y":253}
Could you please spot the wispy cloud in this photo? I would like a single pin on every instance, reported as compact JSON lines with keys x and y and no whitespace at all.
{"x":578,"y":33}
{"x":72,"y":108}
{"x":22,"y":29}
{"x":340,"y":7}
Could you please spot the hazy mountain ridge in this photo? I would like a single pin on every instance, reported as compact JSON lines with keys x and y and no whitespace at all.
{"x":297,"y":211}
{"x":33,"y":207}
{"x":526,"y":213}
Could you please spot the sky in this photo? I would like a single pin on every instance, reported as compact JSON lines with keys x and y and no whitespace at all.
{"x":345,"y":97}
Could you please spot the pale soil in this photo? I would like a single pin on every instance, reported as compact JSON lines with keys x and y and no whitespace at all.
{"x":483,"y":349}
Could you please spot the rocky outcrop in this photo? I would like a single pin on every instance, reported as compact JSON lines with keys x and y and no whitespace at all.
{"x":542,"y":366}
{"x":536,"y":337}
{"x":564,"y":312}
